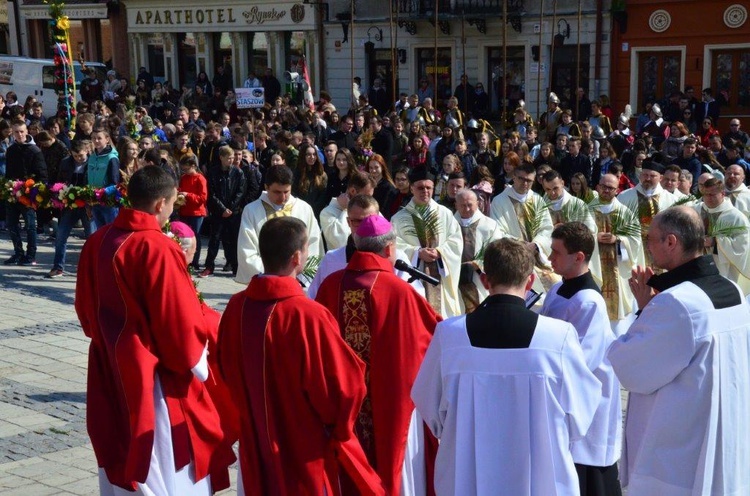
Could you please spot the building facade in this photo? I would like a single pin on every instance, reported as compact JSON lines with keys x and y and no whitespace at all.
{"x":177,"y":42}
{"x":541,"y":46}
{"x":660,"y":47}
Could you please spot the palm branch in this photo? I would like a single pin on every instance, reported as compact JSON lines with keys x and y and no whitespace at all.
{"x":683,"y":201}
{"x":534,"y":217}
{"x":426,"y":224}
{"x":625,"y":223}
{"x":722,"y":229}
{"x":576,"y":211}
{"x":311,"y":267}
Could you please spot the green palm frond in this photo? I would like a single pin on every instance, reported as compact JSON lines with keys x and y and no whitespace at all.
{"x":534,"y":217}
{"x":684,"y":201}
{"x":725,"y":229}
{"x":576,"y":211}
{"x":625,"y":223}
{"x":311,"y":267}
{"x":426,"y":224}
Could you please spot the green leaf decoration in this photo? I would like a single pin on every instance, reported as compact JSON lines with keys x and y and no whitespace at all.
{"x":311,"y":267}
{"x":426,"y":224}
{"x":724,"y":229}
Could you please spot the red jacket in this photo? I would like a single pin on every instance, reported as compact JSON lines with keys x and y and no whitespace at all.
{"x":195,"y":188}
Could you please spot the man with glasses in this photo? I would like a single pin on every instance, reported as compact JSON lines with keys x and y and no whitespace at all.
{"x":619,"y":241}
{"x":431,"y":237}
{"x":524,"y":215}
{"x":735,"y":134}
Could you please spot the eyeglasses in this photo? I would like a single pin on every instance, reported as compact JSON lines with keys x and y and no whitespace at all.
{"x":607,"y":188}
{"x":734,"y":125}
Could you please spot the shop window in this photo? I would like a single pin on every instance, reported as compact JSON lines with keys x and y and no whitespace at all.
{"x":187,"y":58}
{"x":223,"y":52}
{"x":730,"y":77}
{"x":155,"y":54}
{"x":515,"y":83}
{"x":294,"y":42}
{"x":659,"y":74}
{"x":258,"y":53}
{"x":426,"y":67}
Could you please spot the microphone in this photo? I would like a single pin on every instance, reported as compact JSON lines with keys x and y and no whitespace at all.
{"x":415,"y":273}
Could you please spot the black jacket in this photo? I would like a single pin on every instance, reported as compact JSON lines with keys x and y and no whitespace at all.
{"x":67,"y":172}
{"x":570,"y":165}
{"x":24,"y":161}
{"x":226,"y":189}
{"x":382,"y":144}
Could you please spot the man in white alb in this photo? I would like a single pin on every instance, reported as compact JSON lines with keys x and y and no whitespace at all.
{"x":578,"y":300}
{"x":686,"y":362}
{"x":505,"y":390}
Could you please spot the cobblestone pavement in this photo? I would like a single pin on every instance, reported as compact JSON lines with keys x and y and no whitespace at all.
{"x":44,"y":448}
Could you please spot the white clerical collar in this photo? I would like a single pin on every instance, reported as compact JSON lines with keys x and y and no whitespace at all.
{"x":557,"y":204}
{"x":606,"y":208}
{"x":651,"y":192}
{"x":512,"y":193}
{"x":264,"y":198}
{"x":467,"y":222}
{"x":738,"y":189}
{"x":723,"y":207}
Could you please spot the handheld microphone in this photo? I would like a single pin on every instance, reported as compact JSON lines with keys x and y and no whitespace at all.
{"x":415,"y":273}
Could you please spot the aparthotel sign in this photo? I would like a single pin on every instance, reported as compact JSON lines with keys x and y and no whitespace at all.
{"x":239,"y":17}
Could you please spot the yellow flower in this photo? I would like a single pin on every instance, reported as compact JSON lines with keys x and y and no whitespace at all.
{"x":63,"y":23}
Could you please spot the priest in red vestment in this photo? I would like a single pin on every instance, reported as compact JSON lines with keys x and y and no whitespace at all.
{"x":296,"y":382}
{"x":389,"y":326}
{"x":152,"y":425}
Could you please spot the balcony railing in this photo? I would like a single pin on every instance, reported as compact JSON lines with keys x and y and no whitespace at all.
{"x":426,"y":8}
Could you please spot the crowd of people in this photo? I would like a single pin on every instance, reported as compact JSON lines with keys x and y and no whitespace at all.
{"x":356,"y":234}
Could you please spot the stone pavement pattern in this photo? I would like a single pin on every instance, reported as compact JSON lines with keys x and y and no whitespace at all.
{"x":44,"y":448}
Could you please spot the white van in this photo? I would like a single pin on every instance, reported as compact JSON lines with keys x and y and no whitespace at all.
{"x":26,"y":76}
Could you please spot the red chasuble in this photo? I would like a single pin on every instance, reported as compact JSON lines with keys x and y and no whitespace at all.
{"x":298,"y":387}
{"x":389,"y":326}
{"x":136,"y":302}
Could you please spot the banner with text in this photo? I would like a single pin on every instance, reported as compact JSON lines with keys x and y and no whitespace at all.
{"x":248,"y":98}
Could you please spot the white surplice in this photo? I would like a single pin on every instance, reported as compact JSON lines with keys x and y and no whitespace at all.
{"x":506,"y":417}
{"x":686,"y":362}
{"x":449,"y":244}
{"x":587,"y":311}
{"x":740,"y":198}
{"x":254,"y":216}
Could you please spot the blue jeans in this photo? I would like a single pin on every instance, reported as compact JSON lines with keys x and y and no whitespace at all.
{"x":103,"y":216}
{"x":195,"y":224}
{"x":13,"y":211}
{"x":68,"y":219}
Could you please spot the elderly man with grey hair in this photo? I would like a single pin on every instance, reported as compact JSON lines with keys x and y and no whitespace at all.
{"x":389,"y":326}
{"x":478,"y":231}
{"x":685,"y":362}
